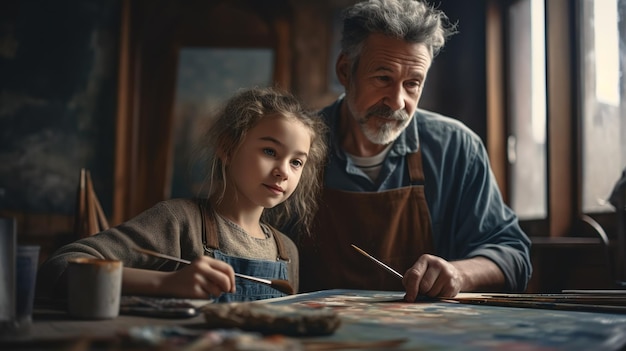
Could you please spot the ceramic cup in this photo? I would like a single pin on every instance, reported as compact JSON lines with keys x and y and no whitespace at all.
{"x":94,"y":288}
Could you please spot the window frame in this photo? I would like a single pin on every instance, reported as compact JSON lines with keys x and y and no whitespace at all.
{"x":564,"y":119}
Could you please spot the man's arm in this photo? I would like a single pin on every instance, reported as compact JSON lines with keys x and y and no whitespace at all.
{"x":470,"y":218}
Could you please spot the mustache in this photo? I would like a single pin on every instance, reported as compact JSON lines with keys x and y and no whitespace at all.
{"x":385,"y":112}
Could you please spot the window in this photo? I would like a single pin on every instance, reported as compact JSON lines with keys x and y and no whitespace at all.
{"x":566,"y":144}
{"x":602,"y":97}
{"x":526,"y":144}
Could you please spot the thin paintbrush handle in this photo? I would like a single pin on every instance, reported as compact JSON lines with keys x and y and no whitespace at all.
{"x":158,"y":254}
{"x":387,"y":268}
{"x":176,"y":259}
{"x":254,"y":279}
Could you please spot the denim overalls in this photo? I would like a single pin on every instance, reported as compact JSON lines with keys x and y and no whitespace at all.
{"x":245,"y":290}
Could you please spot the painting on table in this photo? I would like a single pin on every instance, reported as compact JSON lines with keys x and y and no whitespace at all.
{"x":378,"y":315}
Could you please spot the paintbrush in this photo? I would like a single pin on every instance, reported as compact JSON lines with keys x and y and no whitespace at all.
{"x":387,"y":268}
{"x":542,"y":304}
{"x":278,"y":284}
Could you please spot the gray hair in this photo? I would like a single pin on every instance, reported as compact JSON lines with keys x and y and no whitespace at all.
{"x":414,"y":21}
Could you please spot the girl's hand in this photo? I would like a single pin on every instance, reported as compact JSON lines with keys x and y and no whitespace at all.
{"x":204,"y":278}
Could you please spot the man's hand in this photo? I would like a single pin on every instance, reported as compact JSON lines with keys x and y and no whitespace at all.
{"x":435,"y":277}
{"x":432,"y":276}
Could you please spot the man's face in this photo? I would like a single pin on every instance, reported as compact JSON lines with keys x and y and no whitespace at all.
{"x":383,"y":93}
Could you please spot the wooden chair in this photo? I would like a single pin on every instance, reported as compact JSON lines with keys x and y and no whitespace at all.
{"x":89,"y":217}
{"x":616,"y":256}
{"x":618,"y":200}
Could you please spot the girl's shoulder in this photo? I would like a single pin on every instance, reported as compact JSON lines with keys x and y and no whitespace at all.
{"x":180,"y":208}
{"x":180,"y":203}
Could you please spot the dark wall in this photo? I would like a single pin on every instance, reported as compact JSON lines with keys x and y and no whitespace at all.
{"x":58,"y":86}
{"x":456,"y":83}
{"x":58,"y":77}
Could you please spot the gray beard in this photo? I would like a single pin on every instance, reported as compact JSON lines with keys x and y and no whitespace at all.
{"x":385,"y":132}
{"x":384,"y":135}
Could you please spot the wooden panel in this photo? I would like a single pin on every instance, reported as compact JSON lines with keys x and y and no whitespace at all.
{"x":496,"y":116}
{"x":561,"y":148}
{"x":569,"y":263}
{"x":125,"y":148}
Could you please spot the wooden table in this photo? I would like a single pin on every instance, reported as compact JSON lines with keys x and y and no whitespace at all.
{"x":371,"y":319}
{"x":54,"y":330}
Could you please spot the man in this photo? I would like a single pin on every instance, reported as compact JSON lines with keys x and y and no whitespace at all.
{"x":411,"y":187}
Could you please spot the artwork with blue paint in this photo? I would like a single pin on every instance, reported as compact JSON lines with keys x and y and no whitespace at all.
{"x":378,"y":315}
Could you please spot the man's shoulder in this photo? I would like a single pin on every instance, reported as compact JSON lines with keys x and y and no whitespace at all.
{"x":436,"y":121}
{"x":435,"y":126}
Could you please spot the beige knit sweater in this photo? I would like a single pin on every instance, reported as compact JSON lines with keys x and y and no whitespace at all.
{"x":172,"y":227}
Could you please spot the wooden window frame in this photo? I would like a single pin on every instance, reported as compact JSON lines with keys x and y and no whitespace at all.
{"x":564,"y":122}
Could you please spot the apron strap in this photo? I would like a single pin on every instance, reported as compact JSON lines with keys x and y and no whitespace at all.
{"x":211,"y":241}
{"x":416,"y":172}
{"x":282,"y":253}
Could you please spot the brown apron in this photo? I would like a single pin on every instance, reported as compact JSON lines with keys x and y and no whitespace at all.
{"x":393,"y":226}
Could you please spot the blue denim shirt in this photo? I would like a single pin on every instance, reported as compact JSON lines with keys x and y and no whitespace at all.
{"x":469,"y":217}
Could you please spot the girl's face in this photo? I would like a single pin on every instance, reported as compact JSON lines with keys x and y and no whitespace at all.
{"x":267,"y":167}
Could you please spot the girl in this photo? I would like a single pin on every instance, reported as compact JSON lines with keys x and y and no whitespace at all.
{"x":264,"y":152}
